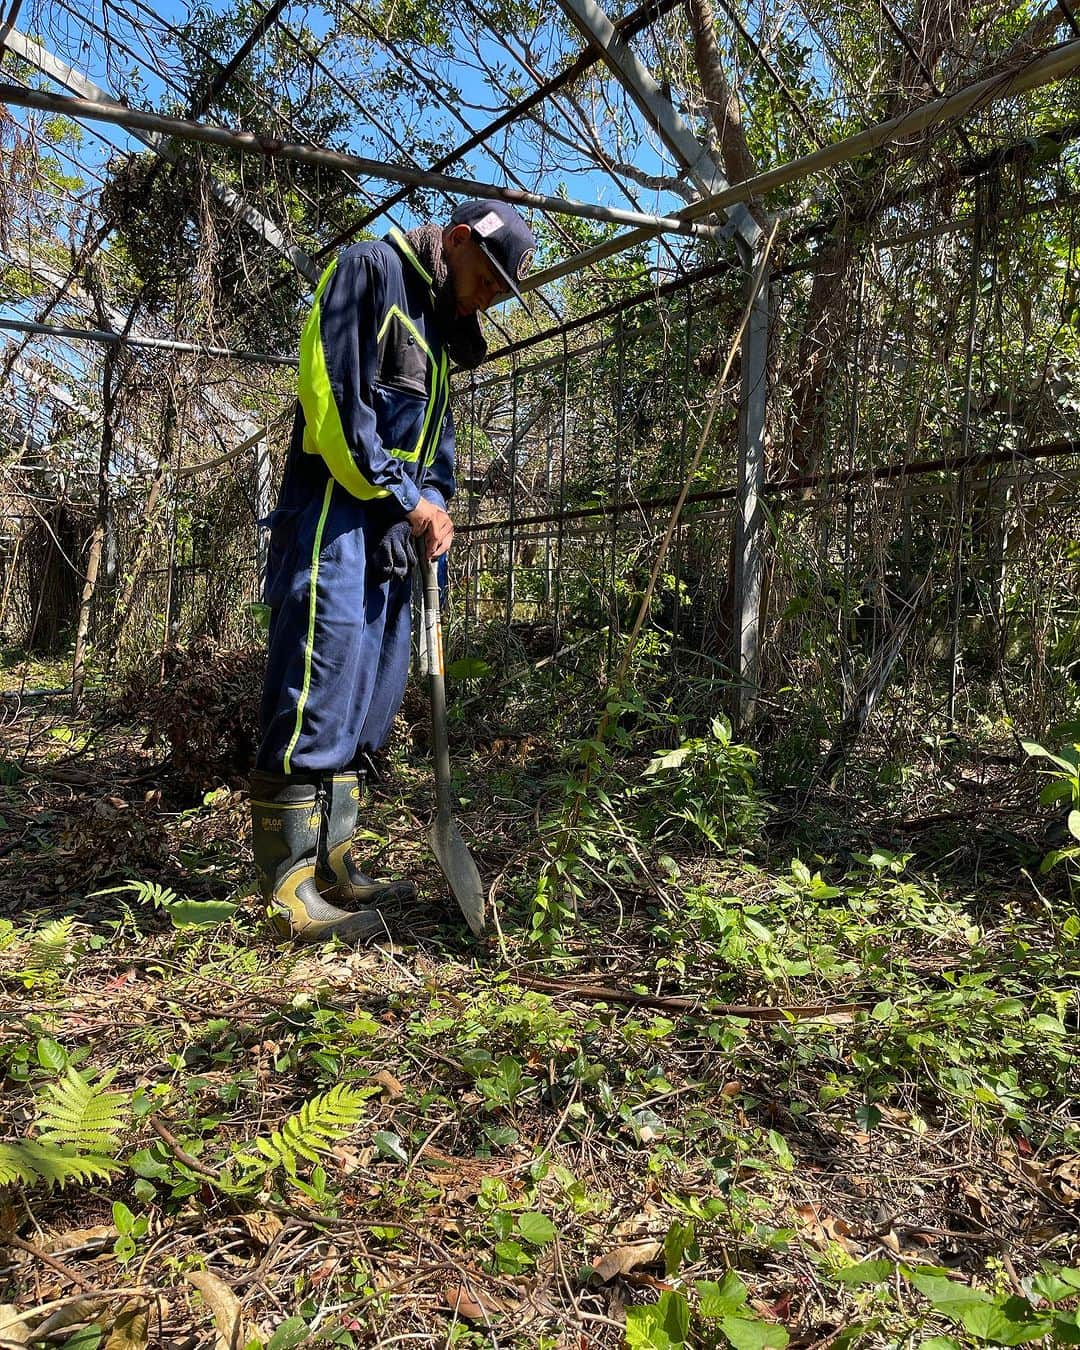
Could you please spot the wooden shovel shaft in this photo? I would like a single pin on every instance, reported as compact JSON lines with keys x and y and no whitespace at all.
{"x":433,"y":647}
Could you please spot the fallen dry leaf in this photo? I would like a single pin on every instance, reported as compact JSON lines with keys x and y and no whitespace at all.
{"x":621,"y":1259}
{"x":262,"y":1226}
{"x":820,"y":1229}
{"x":1065,"y":1180}
{"x":131,"y":1330}
{"x":81,"y":1240}
{"x":78,"y":1310}
{"x":225,"y":1306}
{"x":475,"y":1307}
{"x":390,"y":1085}
{"x":12,"y":1332}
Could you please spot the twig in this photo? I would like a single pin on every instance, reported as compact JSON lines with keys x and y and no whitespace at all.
{"x":681,"y":1003}
{"x":10,"y":1240}
{"x":179,"y":1152}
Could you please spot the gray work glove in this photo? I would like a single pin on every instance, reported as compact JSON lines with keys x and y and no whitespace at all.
{"x":393,"y":556}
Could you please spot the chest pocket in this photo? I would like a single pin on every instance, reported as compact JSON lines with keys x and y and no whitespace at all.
{"x":404,"y":358}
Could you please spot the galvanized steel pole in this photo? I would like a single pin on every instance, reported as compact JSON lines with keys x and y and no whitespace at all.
{"x":249,"y":143}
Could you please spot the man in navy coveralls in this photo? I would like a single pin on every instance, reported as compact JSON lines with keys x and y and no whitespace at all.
{"x":370,"y":470}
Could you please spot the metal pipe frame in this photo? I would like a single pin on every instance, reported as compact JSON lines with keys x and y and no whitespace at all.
{"x":143,"y":343}
{"x":249,"y":143}
{"x":1052,"y":65}
{"x":782,"y":487}
{"x":627,"y":27}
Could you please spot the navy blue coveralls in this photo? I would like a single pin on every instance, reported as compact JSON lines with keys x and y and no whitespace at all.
{"x":373,"y":433}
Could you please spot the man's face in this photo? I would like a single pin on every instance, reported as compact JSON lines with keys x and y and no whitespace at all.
{"x":476,"y":283}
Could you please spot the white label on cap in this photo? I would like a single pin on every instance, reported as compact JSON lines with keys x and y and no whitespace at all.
{"x":488,"y":224}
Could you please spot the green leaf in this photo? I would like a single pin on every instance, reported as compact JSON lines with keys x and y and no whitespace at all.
{"x":389,"y":1145}
{"x":1067,"y":1328}
{"x":1010,"y":1321}
{"x":865,"y":1272}
{"x":318,"y":1124}
{"x":719,"y":1300}
{"x":80,"y":1113}
{"x":679,"y":1239}
{"x":751,"y":1333}
{"x":659,"y":1326}
{"x":1049,"y":1285}
{"x":200,"y":913}
{"x":122,"y":1218}
{"x":468,"y":668}
{"x":536,"y":1228}
{"x":512,"y":1258}
{"x":51,"y":1054}
{"x":290,"y":1334}
{"x":144,"y":1164}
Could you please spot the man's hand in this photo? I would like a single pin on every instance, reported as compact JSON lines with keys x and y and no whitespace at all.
{"x":435,"y":525}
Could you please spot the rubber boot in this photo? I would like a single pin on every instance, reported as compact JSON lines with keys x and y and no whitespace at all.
{"x":339,"y":878}
{"x":286,"y":825}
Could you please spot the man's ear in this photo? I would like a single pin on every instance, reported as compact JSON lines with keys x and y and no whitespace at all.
{"x":456,"y":235}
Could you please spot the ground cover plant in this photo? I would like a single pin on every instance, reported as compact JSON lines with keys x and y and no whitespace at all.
{"x":723,"y":1075}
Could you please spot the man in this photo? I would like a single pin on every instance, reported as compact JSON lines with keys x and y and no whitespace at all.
{"x":370,"y":469}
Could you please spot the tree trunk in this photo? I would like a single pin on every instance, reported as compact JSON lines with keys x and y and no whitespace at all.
{"x":97,"y":539}
{"x":720,"y":99}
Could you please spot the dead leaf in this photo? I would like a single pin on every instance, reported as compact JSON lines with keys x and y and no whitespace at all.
{"x":262,"y":1226}
{"x":475,"y":1307}
{"x":621,"y":1259}
{"x":81,"y":1240}
{"x":225,"y":1306}
{"x":78,"y":1310}
{"x":131,"y":1330}
{"x":1065,"y":1180}
{"x":820,"y":1229}
{"x":14,"y":1333}
{"x":390,"y":1085}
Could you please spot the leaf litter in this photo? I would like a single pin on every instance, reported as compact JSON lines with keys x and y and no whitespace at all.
{"x":569,"y":1146}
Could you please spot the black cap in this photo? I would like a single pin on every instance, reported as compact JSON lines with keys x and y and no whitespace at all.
{"x":502,"y":236}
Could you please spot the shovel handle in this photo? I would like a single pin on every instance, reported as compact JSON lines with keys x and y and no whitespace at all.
{"x":433,"y":651}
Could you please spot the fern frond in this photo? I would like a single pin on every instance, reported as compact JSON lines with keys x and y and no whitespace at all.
{"x":15,"y":1167}
{"x":318,"y":1124}
{"x":52,"y":946}
{"x":27,"y":1163}
{"x":82,"y":1114}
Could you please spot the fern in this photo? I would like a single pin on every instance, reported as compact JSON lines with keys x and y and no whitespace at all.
{"x":28,"y":1163}
{"x":52,"y":946}
{"x":145,"y":892}
{"x":82,"y":1114}
{"x":311,"y":1131}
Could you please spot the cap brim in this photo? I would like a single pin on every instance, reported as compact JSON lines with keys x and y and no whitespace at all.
{"x":511,"y":284}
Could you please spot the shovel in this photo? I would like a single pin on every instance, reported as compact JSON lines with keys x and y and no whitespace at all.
{"x":445,"y":839}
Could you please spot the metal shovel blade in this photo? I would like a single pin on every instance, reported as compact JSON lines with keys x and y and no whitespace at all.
{"x":460,"y":870}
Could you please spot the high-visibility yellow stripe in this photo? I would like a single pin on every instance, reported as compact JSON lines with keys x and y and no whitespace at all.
{"x":444,"y":374}
{"x":407,"y":249}
{"x":390,"y":313}
{"x":323,"y":433}
{"x":309,"y":644}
